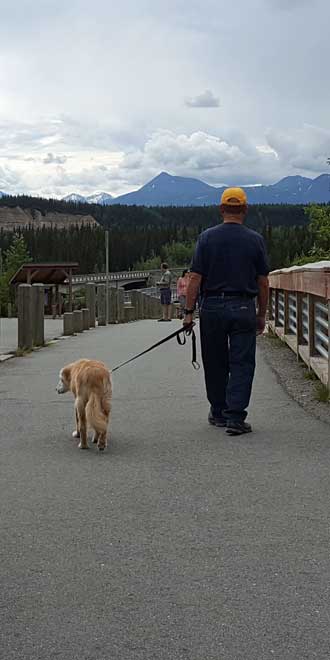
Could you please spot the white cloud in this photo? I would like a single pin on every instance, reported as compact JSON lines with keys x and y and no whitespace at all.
{"x":234,"y":159}
{"x":304,"y":150}
{"x":201,"y":155}
{"x":205,"y":100}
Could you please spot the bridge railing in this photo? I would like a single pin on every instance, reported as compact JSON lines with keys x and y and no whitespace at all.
{"x":151,"y":276}
{"x":299,"y":313}
{"x":126,"y":275}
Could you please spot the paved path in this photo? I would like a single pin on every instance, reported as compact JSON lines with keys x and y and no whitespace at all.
{"x":8,"y":333}
{"x":179,"y":543}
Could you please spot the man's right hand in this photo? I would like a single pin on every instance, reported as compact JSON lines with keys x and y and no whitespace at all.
{"x":261,"y":324}
{"x":188,"y":319}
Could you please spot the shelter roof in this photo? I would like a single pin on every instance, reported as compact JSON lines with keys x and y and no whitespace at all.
{"x":47,"y":273}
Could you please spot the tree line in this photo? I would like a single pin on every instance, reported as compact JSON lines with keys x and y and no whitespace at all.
{"x":144,"y":244}
{"x":119,"y":215}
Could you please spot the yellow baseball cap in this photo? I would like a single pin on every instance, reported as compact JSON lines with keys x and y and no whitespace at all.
{"x":234,"y":197}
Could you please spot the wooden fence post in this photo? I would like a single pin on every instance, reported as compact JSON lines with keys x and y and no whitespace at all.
{"x":90,"y":303}
{"x":38,"y":313}
{"x":25,"y":327}
{"x":102,"y":306}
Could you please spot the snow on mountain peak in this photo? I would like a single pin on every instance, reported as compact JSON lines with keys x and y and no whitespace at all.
{"x":74,"y":197}
{"x":99,"y":198}
{"x":96,"y":198}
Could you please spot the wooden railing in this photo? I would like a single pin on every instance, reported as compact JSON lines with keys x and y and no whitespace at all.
{"x":299,"y":313}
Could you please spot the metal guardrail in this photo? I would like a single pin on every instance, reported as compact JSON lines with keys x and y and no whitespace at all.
{"x":272,"y":303}
{"x":292,"y":313}
{"x":153,"y":291}
{"x":321,"y":329}
{"x":305,"y":331}
{"x":281,"y":309}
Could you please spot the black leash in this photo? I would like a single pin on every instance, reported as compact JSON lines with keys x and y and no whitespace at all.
{"x":185,"y":331}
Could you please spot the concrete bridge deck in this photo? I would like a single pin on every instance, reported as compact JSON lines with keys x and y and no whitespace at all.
{"x":178,"y":542}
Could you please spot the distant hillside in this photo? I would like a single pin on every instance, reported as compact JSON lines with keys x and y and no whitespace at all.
{"x":10,"y":218}
{"x":39,"y":212}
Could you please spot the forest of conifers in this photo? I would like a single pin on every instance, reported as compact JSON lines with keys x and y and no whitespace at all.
{"x":142,"y":237}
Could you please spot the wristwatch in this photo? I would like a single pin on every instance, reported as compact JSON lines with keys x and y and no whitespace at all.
{"x":189,"y":311}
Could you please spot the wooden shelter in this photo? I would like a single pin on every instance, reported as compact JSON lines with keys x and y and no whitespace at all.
{"x":52,"y":275}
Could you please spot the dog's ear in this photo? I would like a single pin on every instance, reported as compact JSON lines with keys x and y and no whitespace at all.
{"x":66,"y":375}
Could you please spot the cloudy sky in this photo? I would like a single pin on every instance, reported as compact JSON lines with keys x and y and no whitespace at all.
{"x":103,"y":95}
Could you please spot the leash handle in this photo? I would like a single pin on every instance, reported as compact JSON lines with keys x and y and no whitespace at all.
{"x":188,"y":331}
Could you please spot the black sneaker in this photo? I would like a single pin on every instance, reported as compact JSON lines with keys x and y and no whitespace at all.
{"x":238,"y":428}
{"x":217,"y":421}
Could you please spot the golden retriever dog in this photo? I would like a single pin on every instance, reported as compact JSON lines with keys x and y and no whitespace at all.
{"x":90,"y":383}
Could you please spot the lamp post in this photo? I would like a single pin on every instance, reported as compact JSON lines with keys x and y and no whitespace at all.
{"x":107,"y":277}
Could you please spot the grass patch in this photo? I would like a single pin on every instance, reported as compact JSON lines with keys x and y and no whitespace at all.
{"x":23,"y":352}
{"x":322,"y":393}
{"x":275,"y":340}
{"x":310,"y":375}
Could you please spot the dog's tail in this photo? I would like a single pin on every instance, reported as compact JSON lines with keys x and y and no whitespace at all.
{"x":96,"y":417}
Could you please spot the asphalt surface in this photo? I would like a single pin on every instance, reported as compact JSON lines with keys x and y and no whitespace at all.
{"x":179,"y":542}
{"x":9,"y":330}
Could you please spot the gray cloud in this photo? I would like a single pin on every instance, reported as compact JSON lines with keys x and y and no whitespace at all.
{"x":10,"y":180}
{"x":205,"y":100}
{"x":51,"y":159}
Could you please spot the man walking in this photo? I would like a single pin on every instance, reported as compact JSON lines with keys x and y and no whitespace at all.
{"x":229,"y":270}
{"x":165,"y":292}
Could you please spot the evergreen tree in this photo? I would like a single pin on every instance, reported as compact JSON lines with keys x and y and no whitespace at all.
{"x":15,"y":256}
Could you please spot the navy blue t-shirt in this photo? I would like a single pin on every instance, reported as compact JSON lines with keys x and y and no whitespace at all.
{"x":230,"y":257}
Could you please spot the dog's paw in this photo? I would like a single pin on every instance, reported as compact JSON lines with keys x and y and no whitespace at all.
{"x":76,"y":434}
{"x":95,"y":439}
{"x":81,"y":446}
{"x":101,"y":448}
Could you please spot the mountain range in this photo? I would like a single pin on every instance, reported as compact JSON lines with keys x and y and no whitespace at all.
{"x":168,"y":190}
{"x":97,"y":198}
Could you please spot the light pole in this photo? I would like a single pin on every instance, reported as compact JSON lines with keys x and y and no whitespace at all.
{"x":107,"y":277}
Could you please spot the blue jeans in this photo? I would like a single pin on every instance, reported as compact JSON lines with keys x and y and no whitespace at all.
{"x":228,"y":339}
